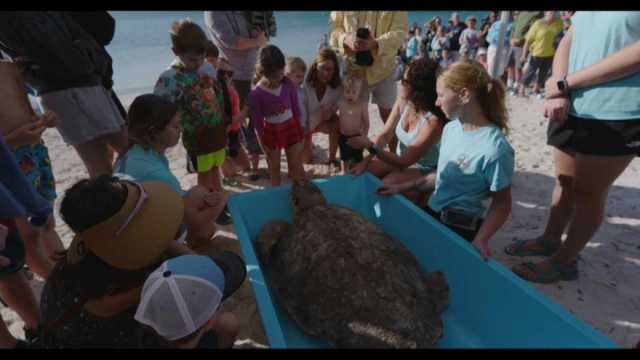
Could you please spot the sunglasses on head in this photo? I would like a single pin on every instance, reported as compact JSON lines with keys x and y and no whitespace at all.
{"x":136,"y":209}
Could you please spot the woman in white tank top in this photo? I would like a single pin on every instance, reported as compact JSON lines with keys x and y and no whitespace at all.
{"x":417,"y":123}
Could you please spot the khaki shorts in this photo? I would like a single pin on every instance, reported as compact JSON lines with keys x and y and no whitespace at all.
{"x":85,"y":113}
{"x":383,"y":92}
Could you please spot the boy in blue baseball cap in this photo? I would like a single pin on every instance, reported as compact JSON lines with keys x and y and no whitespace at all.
{"x":180,"y":301}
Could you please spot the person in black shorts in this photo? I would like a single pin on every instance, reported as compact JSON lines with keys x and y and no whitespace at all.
{"x":594,"y":126}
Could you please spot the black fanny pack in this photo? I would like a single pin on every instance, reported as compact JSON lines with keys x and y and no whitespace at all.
{"x":460,"y":220}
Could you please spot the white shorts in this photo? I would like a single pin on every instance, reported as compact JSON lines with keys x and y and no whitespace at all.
{"x":492,"y":56}
{"x":85,"y":113}
{"x":384,"y":92}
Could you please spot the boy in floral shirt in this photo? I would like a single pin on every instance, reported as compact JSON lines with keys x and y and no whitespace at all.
{"x":190,"y":84}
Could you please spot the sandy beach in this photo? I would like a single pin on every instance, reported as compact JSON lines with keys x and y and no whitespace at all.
{"x":606,"y":296}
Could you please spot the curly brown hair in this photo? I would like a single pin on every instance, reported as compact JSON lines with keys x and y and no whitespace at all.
{"x":421,"y":82}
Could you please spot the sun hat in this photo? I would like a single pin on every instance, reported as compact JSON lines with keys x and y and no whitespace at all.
{"x":139,"y":233}
{"x":180,"y":296}
{"x":482,"y":51}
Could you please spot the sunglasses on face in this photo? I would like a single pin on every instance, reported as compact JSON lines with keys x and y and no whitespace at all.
{"x":143,"y":196}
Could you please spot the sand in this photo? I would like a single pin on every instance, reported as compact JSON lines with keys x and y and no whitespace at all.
{"x":606,"y":296}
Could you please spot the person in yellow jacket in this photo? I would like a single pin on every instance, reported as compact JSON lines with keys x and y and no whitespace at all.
{"x":387,"y":31}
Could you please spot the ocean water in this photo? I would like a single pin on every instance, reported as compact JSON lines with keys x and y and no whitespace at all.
{"x":141,"y":48}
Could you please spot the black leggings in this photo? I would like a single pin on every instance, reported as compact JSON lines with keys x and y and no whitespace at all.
{"x":542,"y":65}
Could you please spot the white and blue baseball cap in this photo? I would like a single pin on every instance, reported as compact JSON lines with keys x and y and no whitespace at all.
{"x":181,"y":295}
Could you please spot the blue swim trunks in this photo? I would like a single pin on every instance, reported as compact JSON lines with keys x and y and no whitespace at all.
{"x":36,"y":166}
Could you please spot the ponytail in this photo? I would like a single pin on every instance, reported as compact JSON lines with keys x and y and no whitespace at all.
{"x":490,"y":93}
{"x":493,"y":104}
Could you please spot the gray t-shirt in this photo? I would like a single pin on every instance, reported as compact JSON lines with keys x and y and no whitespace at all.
{"x":224,"y":28}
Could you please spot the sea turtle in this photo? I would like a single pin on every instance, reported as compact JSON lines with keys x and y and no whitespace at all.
{"x":341,"y":278}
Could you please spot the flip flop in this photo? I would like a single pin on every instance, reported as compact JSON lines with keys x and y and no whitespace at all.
{"x":547,"y":274}
{"x":522,"y":247}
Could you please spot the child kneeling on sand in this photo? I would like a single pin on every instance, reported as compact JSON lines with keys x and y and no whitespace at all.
{"x":154,"y":127}
{"x":179,"y":304}
{"x":354,"y":121}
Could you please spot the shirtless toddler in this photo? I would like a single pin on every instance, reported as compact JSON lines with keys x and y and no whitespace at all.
{"x":354,"y":121}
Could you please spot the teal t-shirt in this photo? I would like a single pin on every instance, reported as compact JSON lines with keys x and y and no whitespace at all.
{"x":471,"y":164}
{"x":147,"y":165}
{"x":597,"y":35}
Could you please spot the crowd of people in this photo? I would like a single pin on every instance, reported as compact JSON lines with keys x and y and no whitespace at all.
{"x":530,"y":42}
{"x":132,"y":276}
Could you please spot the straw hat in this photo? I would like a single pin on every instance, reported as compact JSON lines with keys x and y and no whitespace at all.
{"x":144,"y":239}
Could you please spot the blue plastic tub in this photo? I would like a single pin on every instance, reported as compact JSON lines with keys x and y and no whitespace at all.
{"x":489,"y":306}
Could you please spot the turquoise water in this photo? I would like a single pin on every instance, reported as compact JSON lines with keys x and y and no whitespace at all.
{"x":141,"y":47}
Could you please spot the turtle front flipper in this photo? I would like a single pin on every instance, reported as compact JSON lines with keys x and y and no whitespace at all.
{"x":268,"y":237}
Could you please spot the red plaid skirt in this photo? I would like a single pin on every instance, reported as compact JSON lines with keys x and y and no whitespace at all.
{"x":282,"y":135}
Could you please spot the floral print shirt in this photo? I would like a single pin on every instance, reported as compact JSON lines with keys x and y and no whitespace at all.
{"x":200,"y":104}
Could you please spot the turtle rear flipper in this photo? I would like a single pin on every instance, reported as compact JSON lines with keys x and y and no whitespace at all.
{"x":439,"y":290}
{"x":268,"y":237}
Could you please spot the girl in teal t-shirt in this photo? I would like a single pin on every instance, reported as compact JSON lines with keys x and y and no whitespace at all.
{"x":154,"y":127}
{"x":476,"y":162}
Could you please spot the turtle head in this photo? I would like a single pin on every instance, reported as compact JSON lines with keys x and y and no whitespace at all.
{"x":268,"y":237}
{"x":304,"y":195}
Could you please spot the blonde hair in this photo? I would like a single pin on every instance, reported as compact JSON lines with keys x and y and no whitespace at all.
{"x":352,"y":82}
{"x":296,"y":63}
{"x":488,"y":92}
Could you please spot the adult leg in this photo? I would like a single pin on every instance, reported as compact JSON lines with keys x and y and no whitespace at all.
{"x":560,"y":211}
{"x":36,"y":256}
{"x":594,"y":177}
{"x":562,"y":199}
{"x":51,"y":239}
{"x":17,"y":293}
{"x":543,"y":71}
{"x":95,"y":157}
{"x":384,"y":95}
